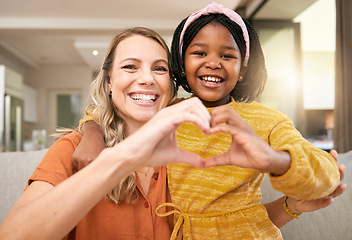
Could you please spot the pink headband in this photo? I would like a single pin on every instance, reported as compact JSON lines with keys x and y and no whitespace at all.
{"x":214,"y":7}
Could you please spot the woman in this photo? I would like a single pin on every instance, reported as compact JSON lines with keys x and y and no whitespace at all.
{"x":129,"y":93}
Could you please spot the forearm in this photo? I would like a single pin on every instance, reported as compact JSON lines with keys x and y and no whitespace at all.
{"x":277,"y":214}
{"x":53,"y":214}
{"x":294,"y":207}
{"x":313,"y":173}
{"x":91,"y":144}
{"x":89,"y":125}
{"x":310,"y":176}
{"x":280,"y":163}
{"x":91,"y":132}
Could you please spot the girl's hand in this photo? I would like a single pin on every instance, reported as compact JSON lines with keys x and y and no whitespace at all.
{"x":247,"y":149}
{"x":154,"y":144}
{"x":299,"y":206}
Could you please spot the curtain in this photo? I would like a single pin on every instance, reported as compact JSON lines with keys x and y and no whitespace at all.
{"x":343,"y":77}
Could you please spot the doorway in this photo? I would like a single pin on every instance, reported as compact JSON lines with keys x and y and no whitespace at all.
{"x":65,"y":109}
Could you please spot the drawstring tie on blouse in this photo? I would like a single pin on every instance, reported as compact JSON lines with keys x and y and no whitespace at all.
{"x":184,"y":218}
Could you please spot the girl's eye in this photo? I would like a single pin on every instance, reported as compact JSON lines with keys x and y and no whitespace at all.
{"x":129,"y":67}
{"x":199,"y":53}
{"x":227,"y":56}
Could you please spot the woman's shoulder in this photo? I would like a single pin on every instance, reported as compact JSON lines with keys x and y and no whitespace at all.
{"x":72,"y":138}
{"x":56,"y":165}
{"x":177,"y":100}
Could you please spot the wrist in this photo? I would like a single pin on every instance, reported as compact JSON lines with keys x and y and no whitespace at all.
{"x":119,"y":161}
{"x":130,"y":154}
{"x":90,"y":124}
{"x":290,"y":207}
{"x":281,"y":163}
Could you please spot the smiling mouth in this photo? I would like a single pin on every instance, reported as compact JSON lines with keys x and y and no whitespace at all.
{"x":213,"y":80}
{"x":144,"y":98}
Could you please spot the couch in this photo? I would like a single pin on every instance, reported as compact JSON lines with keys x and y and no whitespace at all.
{"x":333,"y":222}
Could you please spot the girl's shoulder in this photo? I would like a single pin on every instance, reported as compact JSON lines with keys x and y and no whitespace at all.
{"x":257,"y":109}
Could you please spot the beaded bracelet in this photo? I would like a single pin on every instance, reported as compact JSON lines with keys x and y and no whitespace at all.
{"x":288,"y":211}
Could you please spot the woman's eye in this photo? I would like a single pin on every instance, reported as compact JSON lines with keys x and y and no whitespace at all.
{"x":161,"y":69}
{"x":130,"y":67}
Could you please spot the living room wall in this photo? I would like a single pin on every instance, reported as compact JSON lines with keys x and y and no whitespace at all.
{"x":49,"y":78}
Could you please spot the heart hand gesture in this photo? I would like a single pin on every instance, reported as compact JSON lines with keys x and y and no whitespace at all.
{"x":247,"y":149}
{"x":154,"y":144}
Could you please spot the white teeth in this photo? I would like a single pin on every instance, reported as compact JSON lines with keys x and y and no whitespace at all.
{"x":211,"y":79}
{"x":143,"y":97}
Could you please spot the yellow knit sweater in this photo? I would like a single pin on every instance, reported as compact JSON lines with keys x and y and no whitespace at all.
{"x":224,"y":202}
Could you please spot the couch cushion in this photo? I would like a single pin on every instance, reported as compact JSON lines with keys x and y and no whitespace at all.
{"x":333,"y":222}
{"x":15,"y":169}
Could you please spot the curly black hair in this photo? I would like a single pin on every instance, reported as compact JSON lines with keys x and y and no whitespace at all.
{"x":255,"y":77}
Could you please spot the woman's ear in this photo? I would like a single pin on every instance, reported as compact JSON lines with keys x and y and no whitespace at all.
{"x":242,"y":72}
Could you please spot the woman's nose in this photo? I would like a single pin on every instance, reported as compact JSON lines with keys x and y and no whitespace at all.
{"x":146,"y":78}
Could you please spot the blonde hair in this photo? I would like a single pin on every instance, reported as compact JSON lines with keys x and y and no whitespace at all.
{"x":107,"y":115}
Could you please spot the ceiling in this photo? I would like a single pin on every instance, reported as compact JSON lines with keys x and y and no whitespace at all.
{"x":60,"y":32}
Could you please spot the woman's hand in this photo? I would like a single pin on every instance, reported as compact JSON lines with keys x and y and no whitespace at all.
{"x":247,"y":149}
{"x":154,"y":144}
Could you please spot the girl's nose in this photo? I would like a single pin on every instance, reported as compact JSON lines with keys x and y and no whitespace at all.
{"x":213,"y":63}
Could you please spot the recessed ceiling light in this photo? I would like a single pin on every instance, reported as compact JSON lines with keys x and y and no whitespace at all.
{"x":95,"y":52}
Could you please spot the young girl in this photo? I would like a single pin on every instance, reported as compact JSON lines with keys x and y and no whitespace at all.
{"x":217,"y":56}
{"x":210,"y":57}
{"x":130,"y":95}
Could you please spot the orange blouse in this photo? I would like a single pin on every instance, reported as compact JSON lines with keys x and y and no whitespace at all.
{"x":108,"y":220}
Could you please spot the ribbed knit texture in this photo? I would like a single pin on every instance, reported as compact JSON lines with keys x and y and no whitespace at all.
{"x":234,"y":192}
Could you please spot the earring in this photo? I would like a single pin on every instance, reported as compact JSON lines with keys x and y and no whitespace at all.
{"x":183,"y":72}
{"x":240,"y":78}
